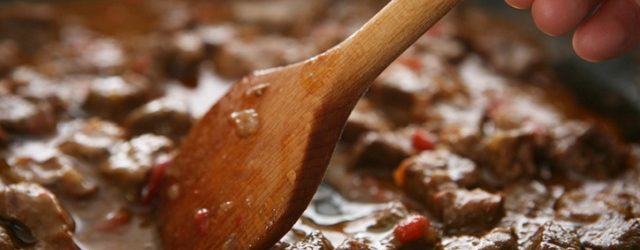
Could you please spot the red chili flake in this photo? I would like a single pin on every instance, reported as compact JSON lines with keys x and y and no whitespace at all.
{"x":202,"y":221}
{"x":114,"y":220}
{"x":412,"y":62}
{"x":156,"y":175}
{"x":411,"y":229}
{"x":421,"y":140}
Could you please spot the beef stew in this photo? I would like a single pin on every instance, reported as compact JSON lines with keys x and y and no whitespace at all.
{"x":467,"y":141}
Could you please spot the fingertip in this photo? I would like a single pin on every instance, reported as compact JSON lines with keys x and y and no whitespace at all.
{"x":584,"y":48}
{"x":520,"y":4}
{"x":559,"y":17}
{"x":609,"y":32}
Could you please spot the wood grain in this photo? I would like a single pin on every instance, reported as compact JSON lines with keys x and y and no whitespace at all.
{"x":250,"y":190}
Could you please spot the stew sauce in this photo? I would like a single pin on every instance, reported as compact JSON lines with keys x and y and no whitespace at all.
{"x":467,"y":141}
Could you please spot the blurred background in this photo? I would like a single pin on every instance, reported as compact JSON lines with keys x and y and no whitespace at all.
{"x":611,"y":88}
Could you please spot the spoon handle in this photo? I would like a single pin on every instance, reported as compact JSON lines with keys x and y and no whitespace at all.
{"x":364,"y":55}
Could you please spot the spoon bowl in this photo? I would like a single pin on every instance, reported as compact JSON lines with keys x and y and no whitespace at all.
{"x":250,"y":166}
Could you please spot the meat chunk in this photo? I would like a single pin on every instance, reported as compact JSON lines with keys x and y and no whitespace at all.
{"x":497,"y":239}
{"x":524,"y":227}
{"x":401,"y":93}
{"x":531,"y":199}
{"x":588,"y":150}
{"x":21,"y":116}
{"x":469,"y":211}
{"x":382,"y":150}
{"x":238,"y":58}
{"x":592,"y":202}
{"x":511,"y":154}
{"x":168,"y":117}
{"x":553,"y":236}
{"x":363,"y":119}
{"x":58,"y":173}
{"x":430,"y":172}
{"x":183,"y":55}
{"x":113,"y":97}
{"x":93,"y":140}
{"x":611,"y":233}
{"x":407,"y":89}
{"x":315,"y":240}
{"x":41,"y":222}
{"x":37,"y":88}
{"x":130,"y":161}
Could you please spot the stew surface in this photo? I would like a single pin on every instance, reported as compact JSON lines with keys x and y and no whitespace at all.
{"x":467,"y":141}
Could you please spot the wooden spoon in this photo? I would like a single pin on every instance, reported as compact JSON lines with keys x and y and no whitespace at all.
{"x":250,"y":167}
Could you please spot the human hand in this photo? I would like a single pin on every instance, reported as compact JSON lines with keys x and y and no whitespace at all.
{"x":613,"y":29}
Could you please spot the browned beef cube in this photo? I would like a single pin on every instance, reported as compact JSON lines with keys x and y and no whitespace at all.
{"x":553,"y":236}
{"x":113,"y":97}
{"x":183,"y":55}
{"x":315,"y":240}
{"x":524,"y":227}
{"x":594,"y":201}
{"x":58,"y":173}
{"x":92,"y":140}
{"x":39,"y":89}
{"x":354,"y":244}
{"x":82,"y":52}
{"x":430,"y":172}
{"x":130,"y":161}
{"x":497,"y":239}
{"x":511,"y":154}
{"x":43,"y":222}
{"x":237,"y":58}
{"x":363,"y":119}
{"x":401,"y":93}
{"x":531,"y":199}
{"x":21,"y":116}
{"x":168,"y":117}
{"x":611,"y":233}
{"x":469,"y":211}
{"x":382,"y":150}
{"x":623,"y":197}
{"x":588,"y":150}
{"x":586,"y":204}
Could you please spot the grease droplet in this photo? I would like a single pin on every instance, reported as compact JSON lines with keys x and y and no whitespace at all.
{"x":202,"y":220}
{"x":246,"y":122}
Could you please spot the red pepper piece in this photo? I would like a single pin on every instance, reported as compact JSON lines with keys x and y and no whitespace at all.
{"x":421,"y":140}
{"x":156,"y":175}
{"x":411,"y":229}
